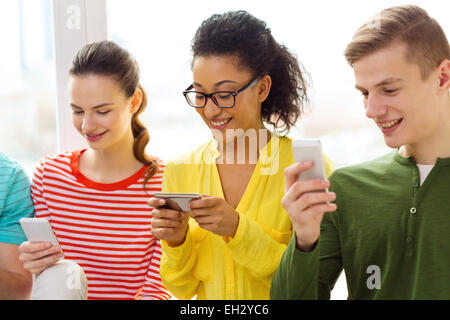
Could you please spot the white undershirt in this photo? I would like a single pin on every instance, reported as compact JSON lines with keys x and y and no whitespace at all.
{"x":424,"y":170}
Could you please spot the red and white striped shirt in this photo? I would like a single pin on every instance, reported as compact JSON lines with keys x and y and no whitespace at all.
{"x":105,"y":228}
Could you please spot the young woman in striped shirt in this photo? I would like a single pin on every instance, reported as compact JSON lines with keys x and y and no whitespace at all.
{"x":96,"y":199}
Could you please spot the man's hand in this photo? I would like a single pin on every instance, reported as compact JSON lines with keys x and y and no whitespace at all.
{"x":306,"y":202}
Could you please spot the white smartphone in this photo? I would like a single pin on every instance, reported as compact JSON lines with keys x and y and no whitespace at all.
{"x":177,"y":201}
{"x":38,"y":230}
{"x":310,"y":150}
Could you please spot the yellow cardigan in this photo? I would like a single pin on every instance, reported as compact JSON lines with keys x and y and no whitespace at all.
{"x":211,"y":266}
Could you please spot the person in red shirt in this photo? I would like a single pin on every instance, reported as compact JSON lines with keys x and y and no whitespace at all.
{"x":96,"y":199}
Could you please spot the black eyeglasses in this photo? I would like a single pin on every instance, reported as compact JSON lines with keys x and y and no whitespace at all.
{"x":222,"y":99}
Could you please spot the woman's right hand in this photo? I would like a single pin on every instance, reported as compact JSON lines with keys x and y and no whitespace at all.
{"x":38,"y":256}
{"x":306,"y":202}
{"x":169,"y":225}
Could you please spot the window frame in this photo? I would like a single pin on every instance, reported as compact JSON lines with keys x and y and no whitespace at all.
{"x":76,"y":23}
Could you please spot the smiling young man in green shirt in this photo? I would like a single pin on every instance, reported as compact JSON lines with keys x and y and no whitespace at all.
{"x":390,"y":231}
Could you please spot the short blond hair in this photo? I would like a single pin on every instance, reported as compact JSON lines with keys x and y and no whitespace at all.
{"x":427,"y":43}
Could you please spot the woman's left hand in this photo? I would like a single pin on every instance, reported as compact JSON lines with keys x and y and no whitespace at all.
{"x":216,"y":215}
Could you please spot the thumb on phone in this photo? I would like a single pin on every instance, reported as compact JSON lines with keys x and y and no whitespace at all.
{"x":155,"y":202}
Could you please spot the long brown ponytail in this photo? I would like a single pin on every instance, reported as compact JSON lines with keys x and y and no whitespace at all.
{"x":141,"y":138}
{"x":108,"y":59}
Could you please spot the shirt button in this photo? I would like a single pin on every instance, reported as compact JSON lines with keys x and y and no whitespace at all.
{"x":413,"y":210}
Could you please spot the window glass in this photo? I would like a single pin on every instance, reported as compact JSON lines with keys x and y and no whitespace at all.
{"x":27,"y":81}
{"x":159,"y":35}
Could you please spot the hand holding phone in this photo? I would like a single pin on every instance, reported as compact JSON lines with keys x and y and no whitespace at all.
{"x":42,"y":249}
{"x":306,"y":196}
{"x":309,"y":150}
{"x":170,"y":218}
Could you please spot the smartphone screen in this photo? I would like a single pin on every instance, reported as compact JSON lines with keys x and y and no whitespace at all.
{"x":171,"y":204}
{"x":309,"y":150}
{"x":177,"y":201}
{"x":38,"y":230}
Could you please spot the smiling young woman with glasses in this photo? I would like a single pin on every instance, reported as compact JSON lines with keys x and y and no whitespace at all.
{"x":230,"y":243}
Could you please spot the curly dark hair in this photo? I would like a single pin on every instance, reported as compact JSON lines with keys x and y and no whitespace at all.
{"x":238,"y":33}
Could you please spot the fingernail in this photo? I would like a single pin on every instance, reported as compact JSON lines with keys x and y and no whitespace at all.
{"x":161,"y":201}
{"x":325,"y":182}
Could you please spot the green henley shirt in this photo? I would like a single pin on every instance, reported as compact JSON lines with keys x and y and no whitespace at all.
{"x":389,"y":234}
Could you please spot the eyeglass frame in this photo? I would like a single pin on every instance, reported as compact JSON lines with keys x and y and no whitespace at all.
{"x":209,"y":95}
